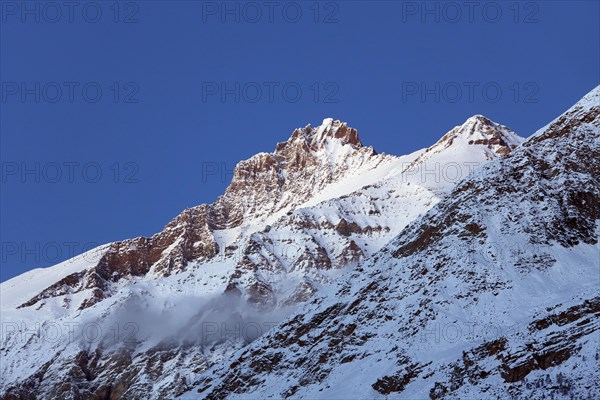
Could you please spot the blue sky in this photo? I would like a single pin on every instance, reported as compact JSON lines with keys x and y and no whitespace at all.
{"x":114,"y":118}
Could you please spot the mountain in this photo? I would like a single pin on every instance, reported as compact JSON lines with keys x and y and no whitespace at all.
{"x":141,"y":318}
{"x":493,"y":293}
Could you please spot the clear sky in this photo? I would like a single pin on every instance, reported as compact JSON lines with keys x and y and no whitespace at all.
{"x":117,"y":116}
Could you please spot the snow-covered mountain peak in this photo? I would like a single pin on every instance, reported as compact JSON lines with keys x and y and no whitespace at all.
{"x":337,"y":129}
{"x":480,"y":132}
{"x":309,"y":161}
{"x":479,"y":119}
{"x":479,"y":129}
{"x":460,"y":152}
{"x":328,"y":136}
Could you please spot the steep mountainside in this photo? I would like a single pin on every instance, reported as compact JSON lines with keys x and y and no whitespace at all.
{"x":491,"y":294}
{"x":219,"y":275}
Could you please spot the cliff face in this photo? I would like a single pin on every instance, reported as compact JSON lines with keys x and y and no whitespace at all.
{"x":290,"y":223}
